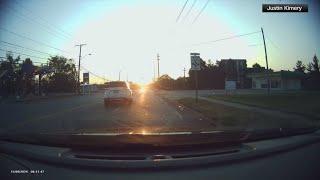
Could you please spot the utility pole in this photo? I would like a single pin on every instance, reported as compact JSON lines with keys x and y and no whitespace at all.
{"x":154,"y":71}
{"x":265,"y":52}
{"x":79,"y":64}
{"x":197,"y":86}
{"x":119,"y":75}
{"x":184,"y":77}
{"x":158,"y":59}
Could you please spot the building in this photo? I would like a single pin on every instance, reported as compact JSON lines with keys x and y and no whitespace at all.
{"x":282,"y":80}
{"x":235,"y":70}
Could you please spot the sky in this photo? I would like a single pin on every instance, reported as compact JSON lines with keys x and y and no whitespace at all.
{"x":125,"y":36}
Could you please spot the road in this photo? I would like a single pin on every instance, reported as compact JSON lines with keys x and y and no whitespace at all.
{"x":148,"y":113}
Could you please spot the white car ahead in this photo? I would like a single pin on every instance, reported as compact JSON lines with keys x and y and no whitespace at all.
{"x":117,"y":91}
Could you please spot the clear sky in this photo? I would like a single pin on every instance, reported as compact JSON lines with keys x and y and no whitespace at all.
{"x":126,"y":35}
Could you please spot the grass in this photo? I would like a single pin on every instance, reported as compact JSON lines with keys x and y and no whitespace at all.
{"x":231,"y":117}
{"x":306,"y":103}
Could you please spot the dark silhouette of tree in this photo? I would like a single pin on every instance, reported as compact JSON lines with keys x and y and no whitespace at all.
{"x":17,"y":77}
{"x":315,"y":64}
{"x":313,"y":67}
{"x":257,"y":68}
{"x":300,"y":67}
{"x":312,"y":80}
{"x":211,"y":76}
{"x":25,"y":83}
{"x":256,"y":65}
{"x":64,"y":76}
{"x":309,"y":67}
{"x":165,"y":82}
{"x":9,"y":71}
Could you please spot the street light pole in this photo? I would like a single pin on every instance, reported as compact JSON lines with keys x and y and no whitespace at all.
{"x":79,"y":64}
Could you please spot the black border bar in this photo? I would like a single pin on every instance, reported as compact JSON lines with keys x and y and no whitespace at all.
{"x":297,"y":8}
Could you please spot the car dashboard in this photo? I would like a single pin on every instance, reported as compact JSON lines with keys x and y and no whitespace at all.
{"x":294,"y":157}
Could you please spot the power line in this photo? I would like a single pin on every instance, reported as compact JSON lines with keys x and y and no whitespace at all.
{"x":93,"y":73}
{"x":181,"y":10}
{"x":254,"y":45}
{"x":23,"y":54}
{"x":34,"y":62}
{"x":196,"y":18}
{"x":194,"y":2}
{"x":273,"y":44}
{"x":30,"y":39}
{"x":25,"y":47}
{"x":44,"y":27}
{"x":61,"y":31}
{"x":230,"y":37}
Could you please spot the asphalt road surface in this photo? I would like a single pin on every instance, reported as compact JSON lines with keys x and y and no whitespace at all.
{"x":149,"y":112}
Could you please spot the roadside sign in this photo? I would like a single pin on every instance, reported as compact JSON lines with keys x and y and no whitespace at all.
{"x":195,"y":66}
{"x":86,"y":78}
{"x":195,"y":62}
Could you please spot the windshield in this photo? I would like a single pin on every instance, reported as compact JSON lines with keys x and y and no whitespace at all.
{"x":191,"y":66}
{"x":116,"y":84}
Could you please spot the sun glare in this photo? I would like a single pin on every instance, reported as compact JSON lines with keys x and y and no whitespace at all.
{"x":143,"y":89}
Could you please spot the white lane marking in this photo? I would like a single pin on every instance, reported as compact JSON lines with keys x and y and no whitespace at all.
{"x":210,"y":132}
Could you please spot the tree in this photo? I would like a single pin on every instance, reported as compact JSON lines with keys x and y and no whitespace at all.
{"x":26,"y":77}
{"x":313,"y":67}
{"x":309,"y":67}
{"x":256,"y":66}
{"x":210,"y":64}
{"x":9,"y":71}
{"x":315,"y":64}
{"x":165,"y":82}
{"x":300,"y":67}
{"x":313,"y":76}
{"x":64,"y":76}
